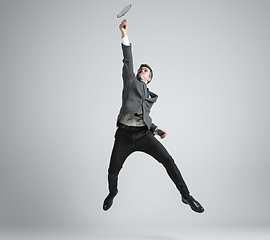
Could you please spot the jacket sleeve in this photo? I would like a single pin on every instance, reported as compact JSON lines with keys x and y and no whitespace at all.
{"x":127,"y":72}
{"x":153,"y":128}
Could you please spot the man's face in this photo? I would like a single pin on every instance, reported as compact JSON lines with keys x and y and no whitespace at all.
{"x":143,"y":74}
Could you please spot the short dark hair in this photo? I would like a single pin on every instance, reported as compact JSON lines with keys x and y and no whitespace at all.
{"x":151,"y":71}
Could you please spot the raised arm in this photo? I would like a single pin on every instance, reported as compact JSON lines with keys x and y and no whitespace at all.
{"x":128,"y":73}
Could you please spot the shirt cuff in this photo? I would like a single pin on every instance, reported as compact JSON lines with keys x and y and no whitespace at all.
{"x":125,"y":41}
{"x":156,"y":131}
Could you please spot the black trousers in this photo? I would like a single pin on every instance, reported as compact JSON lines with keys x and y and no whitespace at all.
{"x":128,"y":141}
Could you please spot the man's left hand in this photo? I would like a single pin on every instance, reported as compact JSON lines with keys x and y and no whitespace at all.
{"x":161,"y":133}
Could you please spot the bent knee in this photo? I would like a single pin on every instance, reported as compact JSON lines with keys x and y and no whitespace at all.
{"x":114,"y":170}
{"x":167,"y":161}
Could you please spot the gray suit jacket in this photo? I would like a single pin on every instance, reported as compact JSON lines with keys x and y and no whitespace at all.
{"x":134,"y":94}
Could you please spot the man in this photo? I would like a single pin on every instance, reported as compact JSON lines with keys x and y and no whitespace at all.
{"x":135,"y":128}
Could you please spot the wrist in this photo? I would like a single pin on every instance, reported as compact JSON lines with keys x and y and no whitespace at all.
{"x":156,"y":131}
{"x":125,"y":40}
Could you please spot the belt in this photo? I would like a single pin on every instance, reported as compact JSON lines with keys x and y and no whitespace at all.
{"x":131,"y":128}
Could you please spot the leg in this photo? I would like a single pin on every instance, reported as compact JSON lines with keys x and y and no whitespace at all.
{"x":119,"y":154}
{"x":121,"y":150}
{"x":153,"y":147}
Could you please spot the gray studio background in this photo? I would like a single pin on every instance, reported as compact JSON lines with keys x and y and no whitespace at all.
{"x":60,"y":93}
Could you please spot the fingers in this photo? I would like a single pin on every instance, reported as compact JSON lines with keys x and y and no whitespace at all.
{"x":123,"y":28}
{"x":123,"y":24}
{"x":162,"y":133}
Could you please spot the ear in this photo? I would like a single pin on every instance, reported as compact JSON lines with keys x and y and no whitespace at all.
{"x":148,"y":79}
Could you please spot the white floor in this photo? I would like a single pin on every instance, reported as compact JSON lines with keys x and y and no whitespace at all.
{"x":157,"y":234}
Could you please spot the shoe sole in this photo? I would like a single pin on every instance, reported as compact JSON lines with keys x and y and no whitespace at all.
{"x":195,"y":210}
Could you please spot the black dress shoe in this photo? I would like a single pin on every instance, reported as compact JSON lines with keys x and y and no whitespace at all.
{"x":108,"y":201}
{"x":195,"y":205}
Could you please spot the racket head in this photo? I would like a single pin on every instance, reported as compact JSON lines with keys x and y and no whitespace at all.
{"x":124,"y":11}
